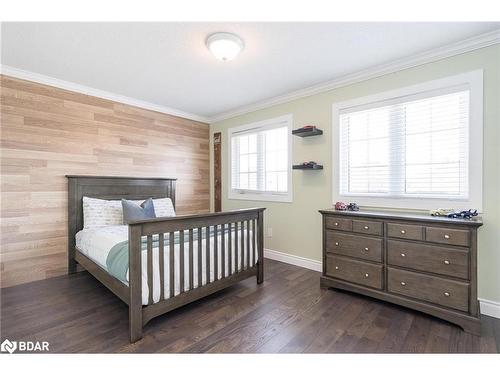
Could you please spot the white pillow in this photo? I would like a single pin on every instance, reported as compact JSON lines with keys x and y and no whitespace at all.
{"x":163,"y":207}
{"x":100,"y":212}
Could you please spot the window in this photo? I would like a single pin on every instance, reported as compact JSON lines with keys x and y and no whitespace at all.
{"x":413,"y":148}
{"x":260,"y":155}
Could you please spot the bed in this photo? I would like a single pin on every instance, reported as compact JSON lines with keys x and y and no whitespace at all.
{"x":157,"y":265}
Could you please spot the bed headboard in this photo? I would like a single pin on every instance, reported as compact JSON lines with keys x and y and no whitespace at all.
{"x":109,"y":187}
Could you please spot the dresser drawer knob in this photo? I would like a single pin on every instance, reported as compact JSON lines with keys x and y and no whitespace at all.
{"x":366,"y":275}
{"x":403,"y":283}
{"x":403,"y":255}
{"x":447,"y":236}
{"x":336,"y":267}
{"x":367,"y":249}
{"x":336,"y":224}
{"x":403,"y":231}
{"x":366,"y":227}
{"x":336,"y":244}
{"x":446,"y":294}
{"x":446,"y":262}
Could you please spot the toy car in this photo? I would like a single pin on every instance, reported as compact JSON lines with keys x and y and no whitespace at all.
{"x":463,"y":214}
{"x":340,"y":206}
{"x":469,"y":214}
{"x":309,"y":164}
{"x":352,"y":207}
{"x":442,"y":212}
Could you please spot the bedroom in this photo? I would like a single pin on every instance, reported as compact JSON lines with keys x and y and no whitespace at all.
{"x":250,"y":187}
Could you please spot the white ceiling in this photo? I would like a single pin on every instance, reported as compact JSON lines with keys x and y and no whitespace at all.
{"x":167,"y":64}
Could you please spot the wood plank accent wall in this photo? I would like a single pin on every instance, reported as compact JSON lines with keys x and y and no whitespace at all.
{"x":47,"y":133}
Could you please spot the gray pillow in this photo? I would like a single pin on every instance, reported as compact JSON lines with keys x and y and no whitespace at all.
{"x":132,"y":211}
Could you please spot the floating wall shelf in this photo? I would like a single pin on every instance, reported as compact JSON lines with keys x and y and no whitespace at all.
{"x":300,"y":166}
{"x":307,"y":132}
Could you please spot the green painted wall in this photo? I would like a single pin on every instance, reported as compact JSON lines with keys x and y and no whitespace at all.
{"x":296,"y":226}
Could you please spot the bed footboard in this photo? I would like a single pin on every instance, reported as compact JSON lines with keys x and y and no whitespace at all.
{"x":217,"y":250}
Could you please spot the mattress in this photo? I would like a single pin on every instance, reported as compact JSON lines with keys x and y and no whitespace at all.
{"x":97,"y":243}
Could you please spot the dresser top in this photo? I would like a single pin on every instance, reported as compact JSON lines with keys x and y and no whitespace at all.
{"x":401,"y":215}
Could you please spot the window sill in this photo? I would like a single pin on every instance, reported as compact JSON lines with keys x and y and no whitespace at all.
{"x":284,"y":198}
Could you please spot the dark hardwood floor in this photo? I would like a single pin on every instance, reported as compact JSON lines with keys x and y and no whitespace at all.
{"x":288,"y":313}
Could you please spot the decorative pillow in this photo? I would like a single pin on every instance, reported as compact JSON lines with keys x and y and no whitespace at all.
{"x":101,"y":212}
{"x":164,"y":207}
{"x":133,"y":211}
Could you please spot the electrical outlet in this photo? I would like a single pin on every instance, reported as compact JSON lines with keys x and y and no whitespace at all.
{"x":269,"y":232}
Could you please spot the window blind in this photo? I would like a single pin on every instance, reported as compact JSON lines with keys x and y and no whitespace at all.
{"x":259,"y":159}
{"x":414,"y":146}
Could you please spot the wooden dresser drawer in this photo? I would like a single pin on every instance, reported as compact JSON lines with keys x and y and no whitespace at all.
{"x":354,"y":245}
{"x":432,"y":289}
{"x":411,"y":232}
{"x":368,"y":227}
{"x":338,"y":223}
{"x":354,"y":271}
{"x":429,"y":258}
{"x":459,"y":237}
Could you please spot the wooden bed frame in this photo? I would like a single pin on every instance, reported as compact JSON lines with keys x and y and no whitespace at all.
{"x":107,"y":187}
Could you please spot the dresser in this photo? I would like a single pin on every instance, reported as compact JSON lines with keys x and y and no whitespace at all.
{"x":418,"y":261}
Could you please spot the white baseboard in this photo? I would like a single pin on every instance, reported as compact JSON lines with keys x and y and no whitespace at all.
{"x":293,"y":259}
{"x":489,"y":308}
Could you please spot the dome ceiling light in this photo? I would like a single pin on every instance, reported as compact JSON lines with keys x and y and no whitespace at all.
{"x":225,"y":46}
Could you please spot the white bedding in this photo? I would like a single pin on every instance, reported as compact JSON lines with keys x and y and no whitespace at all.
{"x":96,"y":244}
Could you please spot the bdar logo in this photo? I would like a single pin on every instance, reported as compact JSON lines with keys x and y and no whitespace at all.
{"x":8,"y":346}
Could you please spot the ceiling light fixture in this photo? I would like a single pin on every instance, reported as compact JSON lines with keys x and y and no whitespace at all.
{"x":224,"y":46}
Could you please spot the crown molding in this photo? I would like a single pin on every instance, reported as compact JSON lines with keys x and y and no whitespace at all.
{"x":75,"y":87}
{"x":457,"y":48}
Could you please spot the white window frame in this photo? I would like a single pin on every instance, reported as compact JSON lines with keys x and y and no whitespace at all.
{"x":474,"y":81}
{"x":254,"y":195}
